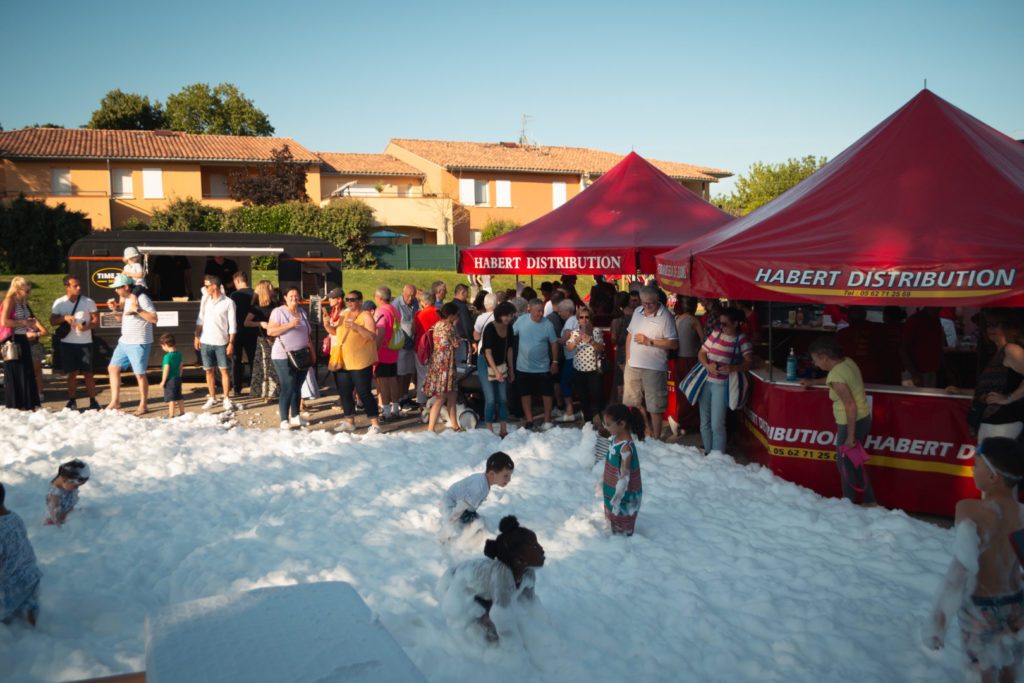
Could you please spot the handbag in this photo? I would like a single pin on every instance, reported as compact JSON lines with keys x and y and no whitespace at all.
{"x":855,"y":454}
{"x":301,"y":359}
{"x":693,"y":383}
{"x":10,"y":350}
{"x":739,"y":382}
{"x":502,"y":368}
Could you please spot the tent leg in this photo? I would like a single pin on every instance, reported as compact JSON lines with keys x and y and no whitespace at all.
{"x":771,"y":346}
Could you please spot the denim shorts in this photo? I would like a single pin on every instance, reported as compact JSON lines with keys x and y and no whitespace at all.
{"x":172,"y":389}
{"x":213,"y":356}
{"x":134,"y":356}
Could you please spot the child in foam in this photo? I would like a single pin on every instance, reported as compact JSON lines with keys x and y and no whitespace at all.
{"x":19,"y":574}
{"x":460,"y":501}
{"x":621,"y":486}
{"x":489,"y":596}
{"x":983,"y":584}
{"x":63,"y":494}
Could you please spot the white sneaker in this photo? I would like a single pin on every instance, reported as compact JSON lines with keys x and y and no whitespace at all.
{"x":285,"y":425}
{"x":374,"y":429}
{"x":545,"y":427}
{"x":297,"y":421}
{"x":345,"y":426}
{"x":228,"y":405}
{"x":210,"y":402}
{"x":565,"y":418}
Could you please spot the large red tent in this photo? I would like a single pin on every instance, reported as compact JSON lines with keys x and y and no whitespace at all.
{"x":618,"y":225}
{"x":925,"y":209}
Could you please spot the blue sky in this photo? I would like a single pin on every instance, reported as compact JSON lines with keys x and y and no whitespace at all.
{"x":717,"y":84}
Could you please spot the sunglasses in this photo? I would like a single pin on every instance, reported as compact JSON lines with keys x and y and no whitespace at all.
{"x":583,"y":317}
{"x":351,"y":300}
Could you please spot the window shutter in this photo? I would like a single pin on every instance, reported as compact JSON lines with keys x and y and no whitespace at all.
{"x":123,"y":182}
{"x":503,"y":193}
{"x":557,"y":195}
{"x":218,"y":185}
{"x":467,"y":191}
{"x":152,"y":183}
{"x":60,"y":181}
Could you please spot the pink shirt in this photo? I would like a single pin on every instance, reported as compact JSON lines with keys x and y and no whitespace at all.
{"x":385,"y":317}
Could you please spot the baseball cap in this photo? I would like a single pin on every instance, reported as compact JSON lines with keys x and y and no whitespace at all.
{"x":336,"y":293}
{"x":122,"y":280}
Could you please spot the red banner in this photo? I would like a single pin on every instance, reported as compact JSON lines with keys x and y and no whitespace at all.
{"x":922,"y":453}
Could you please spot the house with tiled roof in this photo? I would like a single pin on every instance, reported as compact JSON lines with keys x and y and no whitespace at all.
{"x":116,"y":175}
{"x":512,"y":181}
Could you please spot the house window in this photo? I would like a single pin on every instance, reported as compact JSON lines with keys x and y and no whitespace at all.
{"x":152,"y":183}
{"x":481,"y":196}
{"x":557,"y":195}
{"x":122,"y":182}
{"x":219,"y":185}
{"x":60,"y":181}
{"x":503,"y":193}
{"x":404,"y":190}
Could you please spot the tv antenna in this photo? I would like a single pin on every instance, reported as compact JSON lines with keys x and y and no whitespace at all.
{"x":524,"y":138}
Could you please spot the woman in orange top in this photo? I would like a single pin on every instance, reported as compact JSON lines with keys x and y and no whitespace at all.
{"x":353,"y":355}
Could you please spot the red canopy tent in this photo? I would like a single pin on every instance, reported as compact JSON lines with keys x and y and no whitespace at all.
{"x":633,"y":212}
{"x":925,"y":209}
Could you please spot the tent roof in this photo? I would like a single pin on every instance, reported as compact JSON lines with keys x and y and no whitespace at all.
{"x":617,"y":225}
{"x":926,"y":208}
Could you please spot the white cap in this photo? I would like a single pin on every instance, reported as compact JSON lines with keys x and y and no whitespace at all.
{"x":131,"y":252}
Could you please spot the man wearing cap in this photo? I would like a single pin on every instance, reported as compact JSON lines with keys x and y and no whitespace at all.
{"x":215,"y":338}
{"x":138,"y":318}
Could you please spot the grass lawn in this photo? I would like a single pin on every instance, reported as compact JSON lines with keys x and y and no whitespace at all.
{"x":47,"y":288}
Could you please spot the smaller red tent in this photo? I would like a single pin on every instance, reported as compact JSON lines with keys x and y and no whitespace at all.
{"x":633,"y":212}
{"x":926,"y":209}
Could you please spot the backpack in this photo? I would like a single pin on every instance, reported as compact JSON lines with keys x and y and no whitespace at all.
{"x":397,"y":342}
{"x":425,"y":347}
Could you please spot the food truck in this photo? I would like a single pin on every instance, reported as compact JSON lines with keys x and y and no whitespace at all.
{"x":175,"y":265}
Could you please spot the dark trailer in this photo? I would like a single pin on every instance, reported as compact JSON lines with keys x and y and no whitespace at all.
{"x":175,"y":265}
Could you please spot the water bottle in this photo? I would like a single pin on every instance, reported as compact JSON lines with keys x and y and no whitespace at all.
{"x":791,"y":366}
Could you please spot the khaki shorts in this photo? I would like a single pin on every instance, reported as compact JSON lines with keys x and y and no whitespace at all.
{"x":647,"y":388}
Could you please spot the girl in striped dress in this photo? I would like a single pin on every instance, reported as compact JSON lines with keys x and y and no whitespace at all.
{"x":621,"y":485}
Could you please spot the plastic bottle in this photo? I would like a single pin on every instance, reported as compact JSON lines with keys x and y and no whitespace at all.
{"x":791,"y":366}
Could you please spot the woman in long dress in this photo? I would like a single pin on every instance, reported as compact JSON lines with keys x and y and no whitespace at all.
{"x":264,"y":377}
{"x":440,"y":380}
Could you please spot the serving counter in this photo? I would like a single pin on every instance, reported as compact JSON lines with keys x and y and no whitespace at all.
{"x":921,"y":449}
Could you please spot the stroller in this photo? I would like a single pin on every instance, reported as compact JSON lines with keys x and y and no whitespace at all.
{"x":469,"y":398}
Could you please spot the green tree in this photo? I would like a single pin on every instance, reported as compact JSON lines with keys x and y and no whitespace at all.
{"x":35,"y":238}
{"x":127,"y":111}
{"x":188,"y":215}
{"x":764,"y":182}
{"x":495,"y":227}
{"x":222,"y":110}
{"x":345,"y":223}
{"x":283,"y":180}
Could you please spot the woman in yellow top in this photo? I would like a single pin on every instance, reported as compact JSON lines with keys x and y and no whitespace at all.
{"x":850,"y":407}
{"x":353,"y":355}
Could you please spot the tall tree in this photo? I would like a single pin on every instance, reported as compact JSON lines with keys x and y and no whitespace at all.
{"x":222,"y":110}
{"x":281,"y":181}
{"x":127,"y":111}
{"x":764,"y":182}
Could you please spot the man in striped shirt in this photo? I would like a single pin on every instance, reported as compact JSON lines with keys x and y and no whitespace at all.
{"x":651,"y":336}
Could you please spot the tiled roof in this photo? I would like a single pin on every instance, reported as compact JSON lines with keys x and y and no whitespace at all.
{"x":508,"y":156}
{"x":85,"y":143}
{"x":344,"y":163}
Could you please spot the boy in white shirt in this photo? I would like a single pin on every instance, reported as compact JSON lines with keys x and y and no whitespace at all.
{"x":461,"y":500}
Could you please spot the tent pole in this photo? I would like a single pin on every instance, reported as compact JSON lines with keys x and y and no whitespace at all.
{"x":771,"y":346}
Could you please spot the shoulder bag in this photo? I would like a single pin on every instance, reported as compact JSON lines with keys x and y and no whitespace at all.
{"x":62,"y":331}
{"x":739,"y":382}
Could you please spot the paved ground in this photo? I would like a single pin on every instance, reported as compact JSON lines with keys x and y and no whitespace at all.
{"x":324,"y":413}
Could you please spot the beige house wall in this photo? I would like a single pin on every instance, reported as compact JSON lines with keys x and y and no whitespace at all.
{"x":329,"y":182}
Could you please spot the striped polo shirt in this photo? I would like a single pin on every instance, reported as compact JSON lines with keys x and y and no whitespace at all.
{"x":721,"y":348}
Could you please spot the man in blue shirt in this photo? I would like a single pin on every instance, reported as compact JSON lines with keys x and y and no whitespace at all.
{"x":536,"y":361}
